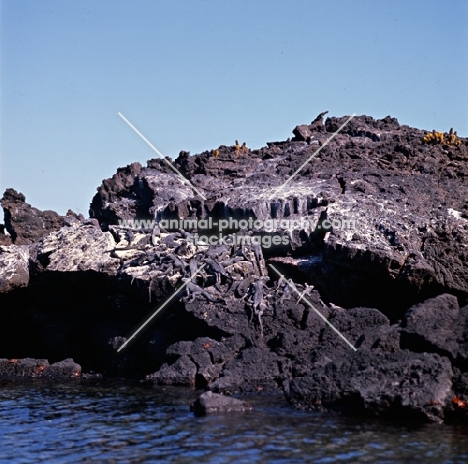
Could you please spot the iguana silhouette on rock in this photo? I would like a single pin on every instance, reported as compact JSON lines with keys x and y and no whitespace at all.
{"x":173,"y":263}
{"x":217,"y":270}
{"x":254,"y":298}
{"x":192,"y":290}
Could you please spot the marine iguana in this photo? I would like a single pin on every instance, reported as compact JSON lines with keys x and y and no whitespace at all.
{"x":182,"y":249}
{"x":194,"y":265}
{"x":217,"y":269}
{"x":285,"y":288}
{"x":192,"y":290}
{"x":241,"y":287}
{"x":171,"y":263}
{"x":255,"y":299}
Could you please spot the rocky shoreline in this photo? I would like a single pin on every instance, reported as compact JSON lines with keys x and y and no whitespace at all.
{"x":368,"y":319}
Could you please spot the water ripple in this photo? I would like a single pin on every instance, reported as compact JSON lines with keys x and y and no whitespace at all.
{"x":123,"y":423}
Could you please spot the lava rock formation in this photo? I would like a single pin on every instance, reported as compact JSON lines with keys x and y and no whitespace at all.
{"x":368,"y":316}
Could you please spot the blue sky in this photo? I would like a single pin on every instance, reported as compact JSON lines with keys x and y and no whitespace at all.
{"x":192,"y":75}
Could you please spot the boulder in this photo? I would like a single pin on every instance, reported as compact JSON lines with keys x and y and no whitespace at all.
{"x":403,"y":385}
{"x":79,"y":248}
{"x":438,"y":325}
{"x":62,"y":369}
{"x":39,"y":368}
{"x":180,"y":372}
{"x":196,"y":363}
{"x":214,"y":403}
{"x":14,"y":267}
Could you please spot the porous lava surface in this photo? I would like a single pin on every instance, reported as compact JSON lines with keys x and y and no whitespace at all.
{"x":370,"y":316}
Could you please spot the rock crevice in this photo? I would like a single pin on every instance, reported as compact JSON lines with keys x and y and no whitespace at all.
{"x":370,"y":239}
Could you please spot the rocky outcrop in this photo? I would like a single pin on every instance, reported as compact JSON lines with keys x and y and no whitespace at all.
{"x":439,"y":326}
{"x":39,"y":368}
{"x":402,"y":199}
{"x":24,"y":223}
{"x":367,"y":316}
{"x":118,"y":191}
{"x":78,"y":247}
{"x":401,"y":385}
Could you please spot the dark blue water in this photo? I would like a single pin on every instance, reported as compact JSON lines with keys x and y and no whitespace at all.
{"x":123,"y":423}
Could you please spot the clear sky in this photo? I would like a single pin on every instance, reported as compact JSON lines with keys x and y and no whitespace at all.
{"x":192,"y":75}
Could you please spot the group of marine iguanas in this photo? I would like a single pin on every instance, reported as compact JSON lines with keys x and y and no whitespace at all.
{"x":240,"y":268}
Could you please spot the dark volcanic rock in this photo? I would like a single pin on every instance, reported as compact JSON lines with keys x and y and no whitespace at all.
{"x":402,"y":385}
{"x":39,"y":368}
{"x":62,"y":369}
{"x":255,"y":369}
{"x":114,"y":191}
{"x":404,"y":199}
{"x":304,"y":133}
{"x":438,"y":326}
{"x":352,"y":324}
{"x":24,"y":223}
{"x":196,"y":363}
{"x":181,"y":372}
{"x":213,"y":403}
{"x":458,"y":409}
{"x":369,"y":237}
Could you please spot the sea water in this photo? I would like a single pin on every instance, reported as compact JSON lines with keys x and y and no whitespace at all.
{"x":119,"y":422}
